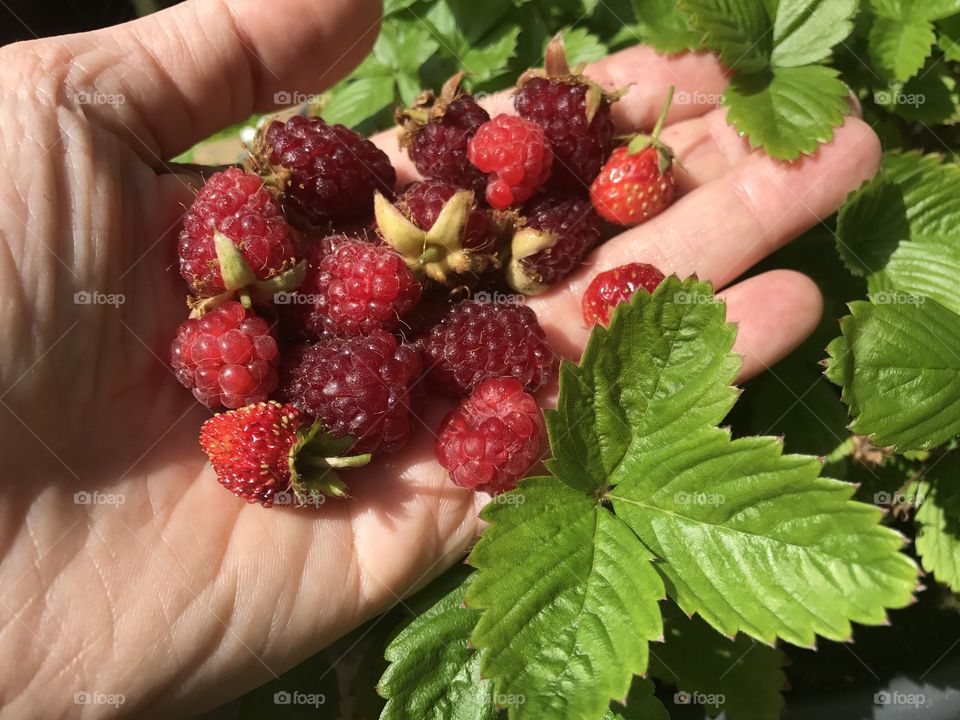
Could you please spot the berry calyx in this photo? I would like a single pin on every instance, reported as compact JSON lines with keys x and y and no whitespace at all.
{"x":574,"y":112}
{"x":612,"y":287}
{"x":353,"y":287}
{"x":475,"y":341}
{"x":436,"y":130}
{"x":359,"y":387}
{"x":492,"y":438}
{"x":234,"y":235}
{"x":439,"y":230}
{"x":555,"y":234}
{"x":637,"y":182}
{"x":517,"y":156}
{"x":228,"y":357}
{"x":323,"y":173}
{"x":264,"y":449}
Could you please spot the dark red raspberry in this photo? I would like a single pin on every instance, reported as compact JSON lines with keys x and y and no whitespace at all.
{"x":517,"y":156}
{"x":327,"y":173}
{"x":580,"y":144}
{"x":575,"y":114}
{"x":474,"y":341}
{"x":359,"y":387}
{"x":353,"y":287}
{"x":555,"y":235}
{"x":422,"y":202}
{"x":238,"y":205}
{"x":612,"y":287}
{"x":436,"y":132}
{"x":227,"y":358}
{"x":492,"y":438}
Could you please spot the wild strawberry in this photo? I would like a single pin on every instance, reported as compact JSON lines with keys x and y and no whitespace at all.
{"x":234,"y":235}
{"x":555,"y":234}
{"x":492,"y":438}
{"x":436,"y":130}
{"x":637,"y":182}
{"x":517,"y":156}
{"x":262,"y":450}
{"x":574,"y":112}
{"x":612,"y":287}
{"x":228,"y":357}
{"x":440,"y":231}
{"x":323,"y":173}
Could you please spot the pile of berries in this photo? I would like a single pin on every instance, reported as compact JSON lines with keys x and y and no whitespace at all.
{"x":326,"y":304}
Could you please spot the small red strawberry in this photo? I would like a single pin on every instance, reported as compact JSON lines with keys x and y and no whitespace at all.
{"x":637,"y":182}
{"x":262,"y":450}
{"x":612,"y":287}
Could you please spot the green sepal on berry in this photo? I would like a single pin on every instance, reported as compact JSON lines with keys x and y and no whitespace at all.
{"x":437,"y":253}
{"x":241,"y":283}
{"x":314,"y":460}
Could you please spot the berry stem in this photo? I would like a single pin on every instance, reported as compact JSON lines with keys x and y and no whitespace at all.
{"x":663,"y":113}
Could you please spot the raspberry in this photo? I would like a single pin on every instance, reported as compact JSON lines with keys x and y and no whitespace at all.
{"x":462,"y":244}
{"x":475,"y":341}
{"x":227,"y":357}
{"x":436,"y":132}
{"x":612,"y":287}
{"x":492,"y":438}
{"x":327,"y":173}
{"x":580,"y":143}
{"x":265,"y":449}
{"x":358,"y":387}
{"x":575,"y":115}
{"x":516,"y":154}
{"x":556,"y":235}
{"x":237,"y":205}
{"x":353,"y":288}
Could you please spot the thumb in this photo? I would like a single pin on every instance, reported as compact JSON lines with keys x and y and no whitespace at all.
{"x":202,"y":65}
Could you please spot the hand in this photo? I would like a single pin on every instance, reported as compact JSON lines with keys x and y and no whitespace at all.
{"x":156,"y":584}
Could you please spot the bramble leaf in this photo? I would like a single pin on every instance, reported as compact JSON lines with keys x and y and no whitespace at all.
{"x":666,"y":26}
{"x":739,"y":31}
{"x":938,"y":521}
{"x":899,"y":49}
{"x":806,"y":31}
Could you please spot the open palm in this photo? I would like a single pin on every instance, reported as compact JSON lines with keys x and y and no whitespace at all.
{"x":126,"y":569}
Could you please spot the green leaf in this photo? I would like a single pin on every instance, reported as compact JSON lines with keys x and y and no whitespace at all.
{"x":566,"y":628}
{"x":790,"y":111}
{"x":931,"y":98}
{"x":434,"y":674}
{"x":899,"y":366}
{"x":949,"y":38}
{"x":751,"y":539}
{"x":805,"y":31}
{"x":666,"y":26}
{"x":743,"y":677}
{"x":359,"y":100}
{"x":899,"y":49}
{"x":738,"y":30}
{"x":920,"y":270}
{"x":938,"y":521}
{"x":583,"y":46}
{"x":910,"y":10}
{"x":641,"y":704}
{"x":913,"y":198}
{"x":492,"y":56}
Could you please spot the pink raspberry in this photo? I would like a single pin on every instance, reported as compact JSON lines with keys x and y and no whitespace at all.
{"x":492,"y":438}
{"x":612,"y":287}
{"x":517,"y":156}
{"x":227,"y":358}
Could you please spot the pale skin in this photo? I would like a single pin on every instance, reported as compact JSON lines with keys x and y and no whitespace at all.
{"x":183,"y":597}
